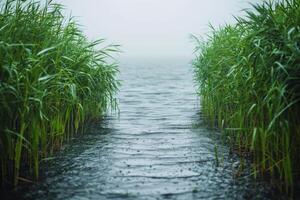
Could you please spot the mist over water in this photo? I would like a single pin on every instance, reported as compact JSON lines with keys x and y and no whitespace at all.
{"x":158,"y":146}
{"x":153,"y":28}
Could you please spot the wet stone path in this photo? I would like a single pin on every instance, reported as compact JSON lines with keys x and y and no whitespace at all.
{"x":156,"y":148}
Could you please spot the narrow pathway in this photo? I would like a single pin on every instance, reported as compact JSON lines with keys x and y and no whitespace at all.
{"x":155,"y":148}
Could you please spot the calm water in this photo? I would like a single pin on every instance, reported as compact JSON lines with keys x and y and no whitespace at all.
{"x":156,"y":148}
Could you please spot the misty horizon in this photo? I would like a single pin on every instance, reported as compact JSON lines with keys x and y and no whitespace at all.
{"x":151,"y":28}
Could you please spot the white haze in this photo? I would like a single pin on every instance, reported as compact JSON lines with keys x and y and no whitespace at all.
{"x":153,"y":28}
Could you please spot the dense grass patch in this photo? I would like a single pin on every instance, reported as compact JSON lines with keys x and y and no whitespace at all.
{"x":52,"y":81}
{"x":249,"y":82}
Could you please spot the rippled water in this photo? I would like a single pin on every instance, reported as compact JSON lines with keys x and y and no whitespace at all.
{"x":156,"y":148}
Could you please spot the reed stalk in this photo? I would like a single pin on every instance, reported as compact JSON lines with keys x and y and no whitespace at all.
{"x":249,"y":82}
{"x":52,"y":82}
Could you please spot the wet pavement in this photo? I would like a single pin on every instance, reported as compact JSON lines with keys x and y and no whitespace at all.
{"x":156,"y":148}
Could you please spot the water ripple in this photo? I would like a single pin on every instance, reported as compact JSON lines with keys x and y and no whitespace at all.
{"x":153,"y":150}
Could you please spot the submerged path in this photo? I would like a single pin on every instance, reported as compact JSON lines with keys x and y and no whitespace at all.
{"x":155,"y":149}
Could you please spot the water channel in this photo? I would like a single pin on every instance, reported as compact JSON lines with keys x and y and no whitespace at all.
{"x":157,"y":147}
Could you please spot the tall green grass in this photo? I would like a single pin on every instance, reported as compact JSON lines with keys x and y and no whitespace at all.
{"x":52,"y":81}
{"x":249,"y":82}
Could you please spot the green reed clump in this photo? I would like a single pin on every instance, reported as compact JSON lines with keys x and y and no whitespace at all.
{"x":52,"y":81}
{"x":249,"y":83}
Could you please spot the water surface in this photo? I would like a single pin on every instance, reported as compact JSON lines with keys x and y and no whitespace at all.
{"x":156,"y":148}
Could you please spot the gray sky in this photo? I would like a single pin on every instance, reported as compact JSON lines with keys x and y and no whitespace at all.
{"x":152,"y":27}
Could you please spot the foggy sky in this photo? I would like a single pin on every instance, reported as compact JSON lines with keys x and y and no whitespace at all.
{"x":152,"y":27}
